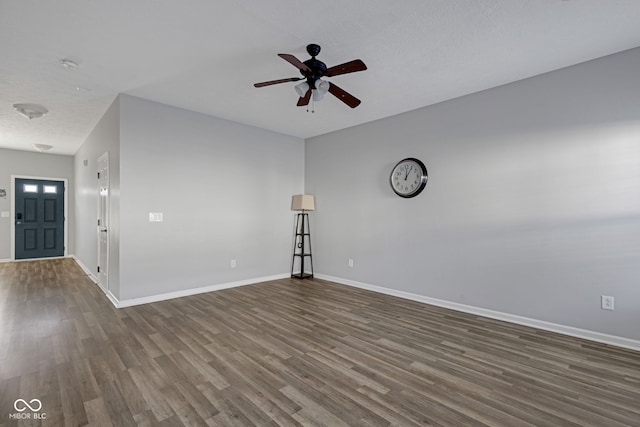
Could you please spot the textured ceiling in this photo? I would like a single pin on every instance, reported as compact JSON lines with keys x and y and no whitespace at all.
{"x":204,"y":55}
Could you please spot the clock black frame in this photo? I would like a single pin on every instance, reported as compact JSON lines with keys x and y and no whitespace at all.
{"x":423,"y":179}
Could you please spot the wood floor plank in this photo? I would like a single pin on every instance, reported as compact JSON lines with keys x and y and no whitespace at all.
{"x":255,"y":379}
{"x":131,"y":393}
{"x":291,"y":352}
{"x":97,"y":413}
{"x":151,"y":393}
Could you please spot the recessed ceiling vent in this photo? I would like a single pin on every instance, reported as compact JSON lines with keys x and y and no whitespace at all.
{"x":31,"y":111}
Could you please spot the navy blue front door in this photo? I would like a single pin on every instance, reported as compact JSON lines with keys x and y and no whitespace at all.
{"x":39,"y":218}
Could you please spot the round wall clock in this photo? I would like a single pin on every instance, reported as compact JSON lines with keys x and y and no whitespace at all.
{"x":408,"y":178}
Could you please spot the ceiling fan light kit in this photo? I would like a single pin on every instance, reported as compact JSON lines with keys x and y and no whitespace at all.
{"x":321,"y":88}
{"x":312,"y":71}
{"x":302,"y":88}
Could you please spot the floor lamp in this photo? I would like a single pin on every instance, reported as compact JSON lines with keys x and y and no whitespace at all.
{"x":302,"y":239}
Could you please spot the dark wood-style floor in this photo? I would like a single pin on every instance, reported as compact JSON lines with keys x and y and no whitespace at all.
{"x":290,"y":353}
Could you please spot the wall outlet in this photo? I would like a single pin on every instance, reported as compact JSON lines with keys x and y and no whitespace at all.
{"x":350,"y":263}
{"x":233,"y":263}
{"x":607,"y":303}
{"x":155,"y":217}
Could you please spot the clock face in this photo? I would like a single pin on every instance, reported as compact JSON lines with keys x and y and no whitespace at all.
{"x":408,"y":178}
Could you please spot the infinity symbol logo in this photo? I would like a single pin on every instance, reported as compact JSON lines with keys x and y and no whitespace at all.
{"x":27,"y":405}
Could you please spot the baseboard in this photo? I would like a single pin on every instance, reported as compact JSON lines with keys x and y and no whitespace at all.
{"x":525,"y":321}
{"x":94,"y":279}
{"x":112,"y":298}
{"x":36,"y":259}
{"x":88,"y":272}
{"x":188,"y":292}
{"x":492,"y":314}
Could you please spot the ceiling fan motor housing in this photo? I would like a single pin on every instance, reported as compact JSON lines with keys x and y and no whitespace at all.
{"x":318,"y":69}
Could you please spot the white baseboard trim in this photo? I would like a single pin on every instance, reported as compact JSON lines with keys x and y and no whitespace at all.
{"x":84,"y":268}
{"x":525,"y":321}
{"x":112,"y":298}
{"x":94,"y":279}
{"x":176,"y":294}
{"x":188,"y":292}
{"x":492,"y":314}
{"x":5,"y":260}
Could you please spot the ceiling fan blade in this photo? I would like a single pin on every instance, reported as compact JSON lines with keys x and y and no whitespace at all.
{"x":275,"y":82}
{"x":294,"y":61}
{"x":305,"y":99}
{"x":343,"y":96}
{"x":347,"y":67}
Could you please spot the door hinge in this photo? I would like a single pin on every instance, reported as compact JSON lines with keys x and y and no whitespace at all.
{"x":98,"y":269}
{"x":98,"y":223}
{"x":98,"y":175}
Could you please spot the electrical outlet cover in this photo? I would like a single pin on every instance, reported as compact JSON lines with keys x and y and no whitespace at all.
{"x":155,"y":217}
{"x":607,"y":302}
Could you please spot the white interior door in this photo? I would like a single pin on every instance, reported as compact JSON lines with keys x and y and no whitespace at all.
{"x":103,"y":221}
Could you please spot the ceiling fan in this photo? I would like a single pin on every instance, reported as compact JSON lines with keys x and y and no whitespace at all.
{"x":312,"y":71}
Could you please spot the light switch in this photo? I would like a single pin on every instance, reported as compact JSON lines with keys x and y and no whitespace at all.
{"x":155,"y":217}
{"x":5,"y":214}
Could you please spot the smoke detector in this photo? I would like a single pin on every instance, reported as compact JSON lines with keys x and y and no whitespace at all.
{"x":68,"y":63}
{"x":42,"y":147}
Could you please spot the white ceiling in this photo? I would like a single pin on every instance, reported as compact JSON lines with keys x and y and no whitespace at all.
{"x":204,"y":55}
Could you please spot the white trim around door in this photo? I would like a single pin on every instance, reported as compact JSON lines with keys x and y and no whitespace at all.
{"x":13,"y":210}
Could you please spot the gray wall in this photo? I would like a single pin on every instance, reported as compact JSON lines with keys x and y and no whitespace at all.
{"x":26,"y":163}
{"x":224,"y":189}
{"x":532,"y":206}
{"x":105,"y":137}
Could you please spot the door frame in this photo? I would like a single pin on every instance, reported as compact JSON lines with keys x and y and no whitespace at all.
{"x":13,"y":213}
{"x":104,"y":157}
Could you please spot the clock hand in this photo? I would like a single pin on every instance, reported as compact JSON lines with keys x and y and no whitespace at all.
{"x":407,"y":174}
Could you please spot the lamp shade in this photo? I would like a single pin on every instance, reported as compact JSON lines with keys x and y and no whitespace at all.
{"x":317,"y":95}
{"x":321,"y":87}
{"x":303,"y":202}
{"x":302,"y":88}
